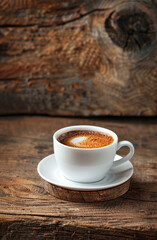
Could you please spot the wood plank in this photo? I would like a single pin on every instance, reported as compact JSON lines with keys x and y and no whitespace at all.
{"x":81,"y":58}
{"x":26,"y":205}
{"x":55,"y":228}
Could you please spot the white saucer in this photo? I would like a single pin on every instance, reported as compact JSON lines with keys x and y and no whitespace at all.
{"x":48,"y":170}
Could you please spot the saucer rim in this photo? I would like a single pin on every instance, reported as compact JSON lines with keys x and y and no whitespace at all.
{"x":79,"y":188}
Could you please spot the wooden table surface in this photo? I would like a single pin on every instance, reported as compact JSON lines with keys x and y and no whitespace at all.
{"x":28,"y":211}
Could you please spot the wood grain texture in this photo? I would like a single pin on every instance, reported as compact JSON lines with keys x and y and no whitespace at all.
{"x":28,"y":211}
{"x":88,"y":196}
{"x":78,"y":57}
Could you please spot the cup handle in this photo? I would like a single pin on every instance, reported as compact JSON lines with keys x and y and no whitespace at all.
{"x":128,"y":156}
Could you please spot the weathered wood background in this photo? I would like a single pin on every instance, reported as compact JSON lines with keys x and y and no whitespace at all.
{"x":78,"y":57}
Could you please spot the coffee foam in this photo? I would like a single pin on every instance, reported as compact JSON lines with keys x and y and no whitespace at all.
{"x":86,"y":139}
{"x":77,"y":140}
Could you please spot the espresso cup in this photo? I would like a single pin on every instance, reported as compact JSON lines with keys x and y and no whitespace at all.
{"x":88,"y":164}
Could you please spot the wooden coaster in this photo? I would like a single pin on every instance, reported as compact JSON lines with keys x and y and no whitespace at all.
{"x":87,"y":196}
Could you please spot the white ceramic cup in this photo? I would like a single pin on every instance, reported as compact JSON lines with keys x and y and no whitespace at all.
{"x":88,"y":165}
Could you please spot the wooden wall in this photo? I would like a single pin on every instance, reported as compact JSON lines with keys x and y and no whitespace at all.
{"x":78,"y":57}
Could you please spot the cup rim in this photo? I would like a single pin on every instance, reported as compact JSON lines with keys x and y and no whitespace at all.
{"x":78,"y":127}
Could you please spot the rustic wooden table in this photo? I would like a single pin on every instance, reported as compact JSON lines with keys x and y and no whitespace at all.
{"x":28,"y":211}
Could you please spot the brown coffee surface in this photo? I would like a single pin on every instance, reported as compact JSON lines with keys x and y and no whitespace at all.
{"x":85,"y":139}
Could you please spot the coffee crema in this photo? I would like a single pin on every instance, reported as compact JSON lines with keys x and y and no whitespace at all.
{"x":85,"y":139}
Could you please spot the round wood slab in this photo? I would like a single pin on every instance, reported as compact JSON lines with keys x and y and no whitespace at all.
{"x":87,"y":196}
